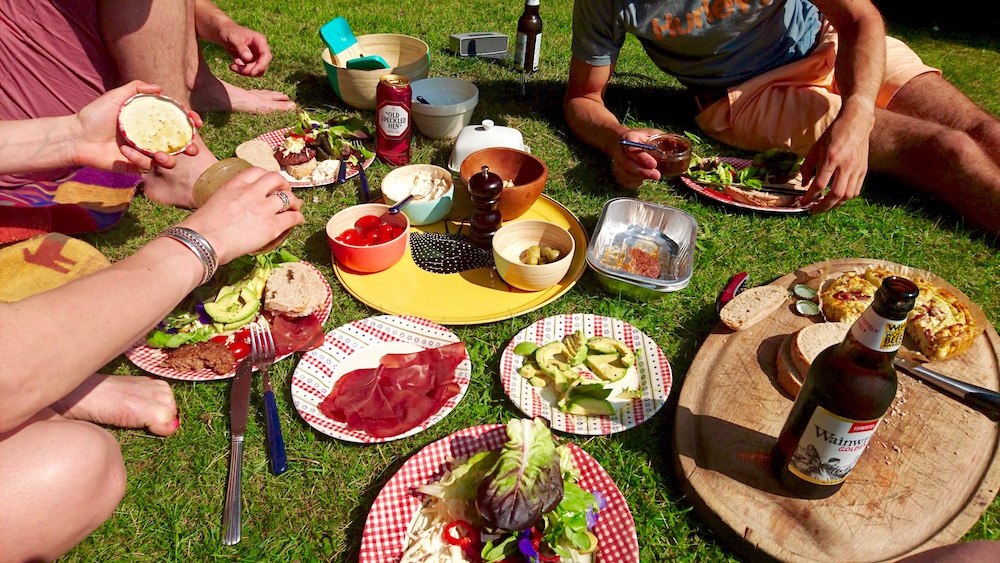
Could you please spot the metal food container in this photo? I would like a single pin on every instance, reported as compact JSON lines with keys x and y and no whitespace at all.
{"x":630,"y":226}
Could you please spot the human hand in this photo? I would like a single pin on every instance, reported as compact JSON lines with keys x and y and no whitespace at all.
{"x":102,"y":146}
{"x":249,"y":49}
{"x":839,"y":158}
{"x":244,"y":214}
{"x":632,"y":165}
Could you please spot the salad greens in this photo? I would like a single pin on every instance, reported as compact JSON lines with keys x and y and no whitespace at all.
{"x":772,"y":166}
{"x":234,"y":287}
{"x":530,"y":486}
{"x":332,"y":139}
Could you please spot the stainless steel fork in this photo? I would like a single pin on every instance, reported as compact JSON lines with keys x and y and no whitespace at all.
{"x":263,"y":350}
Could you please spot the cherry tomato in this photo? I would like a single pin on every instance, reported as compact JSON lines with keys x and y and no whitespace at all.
{"x":386,"y":232}
{"x":239,"y":348}
{"x":372,"y":238}
{"x":367,"y":223}
{"x":350,"y":236}
{"x":397,"y":231}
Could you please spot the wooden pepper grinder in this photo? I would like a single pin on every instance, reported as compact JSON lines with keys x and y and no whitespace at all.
{"x":484,"y":189}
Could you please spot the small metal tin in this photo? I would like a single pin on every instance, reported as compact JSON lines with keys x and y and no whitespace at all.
{"x":666,"y":232}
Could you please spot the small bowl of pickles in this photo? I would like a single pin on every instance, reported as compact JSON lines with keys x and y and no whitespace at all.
{"x":533,"y":255}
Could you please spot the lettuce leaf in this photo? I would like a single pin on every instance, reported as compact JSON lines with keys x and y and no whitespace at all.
{"x":463,"y":481}
{"x":526,"y":481}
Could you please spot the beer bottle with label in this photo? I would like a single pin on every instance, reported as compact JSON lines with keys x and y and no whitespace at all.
{"x":528,"y":43}
{"x":849,"y":387}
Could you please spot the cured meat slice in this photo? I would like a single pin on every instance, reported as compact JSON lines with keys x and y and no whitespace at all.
{"x":296,"y":334}
{"x":403,"y":391}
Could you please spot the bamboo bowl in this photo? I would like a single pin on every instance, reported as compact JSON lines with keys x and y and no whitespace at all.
{"x":512,"y":241}
{"x":405,"y":55}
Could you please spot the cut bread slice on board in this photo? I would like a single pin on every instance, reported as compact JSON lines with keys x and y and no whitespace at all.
{"x":789,"y":377}
{"x":813,"y":339}
{"x":752,"y":305}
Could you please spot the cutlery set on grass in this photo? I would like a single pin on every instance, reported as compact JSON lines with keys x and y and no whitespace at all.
{"x":262,"y":356}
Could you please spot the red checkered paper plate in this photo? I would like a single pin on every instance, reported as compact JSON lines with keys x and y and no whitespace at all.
{"x":710,"y":191}
{"x":361,"y":344}
{"x":384,"y":537}
{"x":149,"y":358}
{"x":277,"y":138}
{"x":650,"y":375}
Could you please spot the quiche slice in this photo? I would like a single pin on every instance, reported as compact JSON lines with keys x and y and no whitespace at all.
{"x":940,"y":324}
{"x":847,"y":297}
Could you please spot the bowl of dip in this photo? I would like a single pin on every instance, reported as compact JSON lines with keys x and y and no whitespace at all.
{"x":155,"y":123}
{"x":673,"y":156}
{"x":432,"y":187}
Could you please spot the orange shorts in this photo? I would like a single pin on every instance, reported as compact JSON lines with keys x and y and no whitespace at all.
{"x":791,"y":106}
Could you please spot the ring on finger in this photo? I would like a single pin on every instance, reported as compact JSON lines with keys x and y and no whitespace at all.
{"x":286,"y":202}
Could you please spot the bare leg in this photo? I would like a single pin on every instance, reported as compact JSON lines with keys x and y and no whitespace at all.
{"x":941,"y":161}
{"x":963,"y":552}
{"x":932,"y":98}
{"x":61,"y":480}
{"x":122,"y":401}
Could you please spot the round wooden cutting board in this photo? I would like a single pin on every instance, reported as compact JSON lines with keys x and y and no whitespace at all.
{"x":928,"y":475}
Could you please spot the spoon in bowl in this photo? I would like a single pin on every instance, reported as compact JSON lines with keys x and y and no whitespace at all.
{"x":395,"y":208}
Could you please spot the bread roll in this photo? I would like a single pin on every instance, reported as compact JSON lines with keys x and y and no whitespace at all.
{"x":752,"y":305}
{"x":295,"y":290}
{"x":258,"y":153}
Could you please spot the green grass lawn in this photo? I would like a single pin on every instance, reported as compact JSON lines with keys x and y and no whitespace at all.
{"x":316,"y":511}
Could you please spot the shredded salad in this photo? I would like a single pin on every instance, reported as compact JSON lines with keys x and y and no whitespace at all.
{"x":520,"y":503}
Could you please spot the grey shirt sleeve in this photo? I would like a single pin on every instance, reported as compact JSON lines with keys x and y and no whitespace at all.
{"x":596,"y":36}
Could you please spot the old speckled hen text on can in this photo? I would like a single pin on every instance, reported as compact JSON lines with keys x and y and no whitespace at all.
{"x":393,"y":124}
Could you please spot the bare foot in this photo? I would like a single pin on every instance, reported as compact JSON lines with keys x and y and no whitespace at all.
{"x":122,"y":401}
{"x":213,"y":94}
{"x":174,"y":186}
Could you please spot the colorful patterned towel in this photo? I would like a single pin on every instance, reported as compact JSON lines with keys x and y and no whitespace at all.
{"x":84,"y":201}
{"x":44,"y":263}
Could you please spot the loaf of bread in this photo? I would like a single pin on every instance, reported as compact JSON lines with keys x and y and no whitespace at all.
{"x":752,"y":306}
{"x":789,"y":377}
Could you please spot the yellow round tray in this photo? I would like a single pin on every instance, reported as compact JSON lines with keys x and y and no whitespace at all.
{"x":465,"y":298}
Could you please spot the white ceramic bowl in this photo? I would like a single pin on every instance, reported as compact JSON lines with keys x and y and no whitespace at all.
{"x":450,"y":109}
{"x":399,"y":183}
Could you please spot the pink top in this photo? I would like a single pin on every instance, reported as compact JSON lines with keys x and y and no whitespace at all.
{"x":52,"y":62}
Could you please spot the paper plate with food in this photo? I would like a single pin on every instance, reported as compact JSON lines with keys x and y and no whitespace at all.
{"x":500,"y":493}
{"x":769,"y":182}
{"x":312,"y":152}
{"x":585,"y":374}
{"x":209,"y":332}
{"x":381,"y":379}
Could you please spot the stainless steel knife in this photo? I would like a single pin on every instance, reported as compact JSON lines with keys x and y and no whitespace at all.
{"x":978,"y":398}
{"x":239,"y":408}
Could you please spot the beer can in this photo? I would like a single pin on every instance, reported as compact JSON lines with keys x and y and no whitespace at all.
{"x":394,"y":126}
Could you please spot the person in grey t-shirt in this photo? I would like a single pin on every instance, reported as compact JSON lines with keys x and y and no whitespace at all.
{"x":819,"y":77}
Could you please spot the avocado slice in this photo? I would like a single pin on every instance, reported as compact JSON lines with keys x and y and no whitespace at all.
{"x":530,"y":371}
{"x":587,"y":405}
{"x":608,"y":367}
{"x":227,"y":297}
{"x":545,"y":357}
{"x":235,"y":312}
{"x":606,"y":345}
{"x":576,"y":347}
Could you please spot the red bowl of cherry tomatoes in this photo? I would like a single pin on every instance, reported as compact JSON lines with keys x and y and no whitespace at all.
{"x":366,"y":238}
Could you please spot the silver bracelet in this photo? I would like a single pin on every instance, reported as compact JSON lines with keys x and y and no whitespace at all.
{"x":197,"y":244}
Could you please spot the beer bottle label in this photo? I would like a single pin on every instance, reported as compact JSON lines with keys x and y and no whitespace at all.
{"x":830,"y":447}
{"x":393,"y":120}
{"x":877,"y":332}
{"x":521,"y":51}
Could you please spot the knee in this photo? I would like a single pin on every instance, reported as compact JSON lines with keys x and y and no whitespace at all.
{"x":954,"y":145}
{"x":94,"y":472}
{"x":986,"y":130}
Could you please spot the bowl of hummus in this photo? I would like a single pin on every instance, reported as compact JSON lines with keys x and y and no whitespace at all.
{"x":432,"y":188}
{"x":155,"y":123}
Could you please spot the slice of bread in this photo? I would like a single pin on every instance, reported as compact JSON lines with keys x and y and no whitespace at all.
{"x":761,"y":199}
{"x":294,"y":289}
{"x":752,"y":305}
{"x":813,"y":339}
{"x":789,"y":377}
{"x":259,"y":154}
